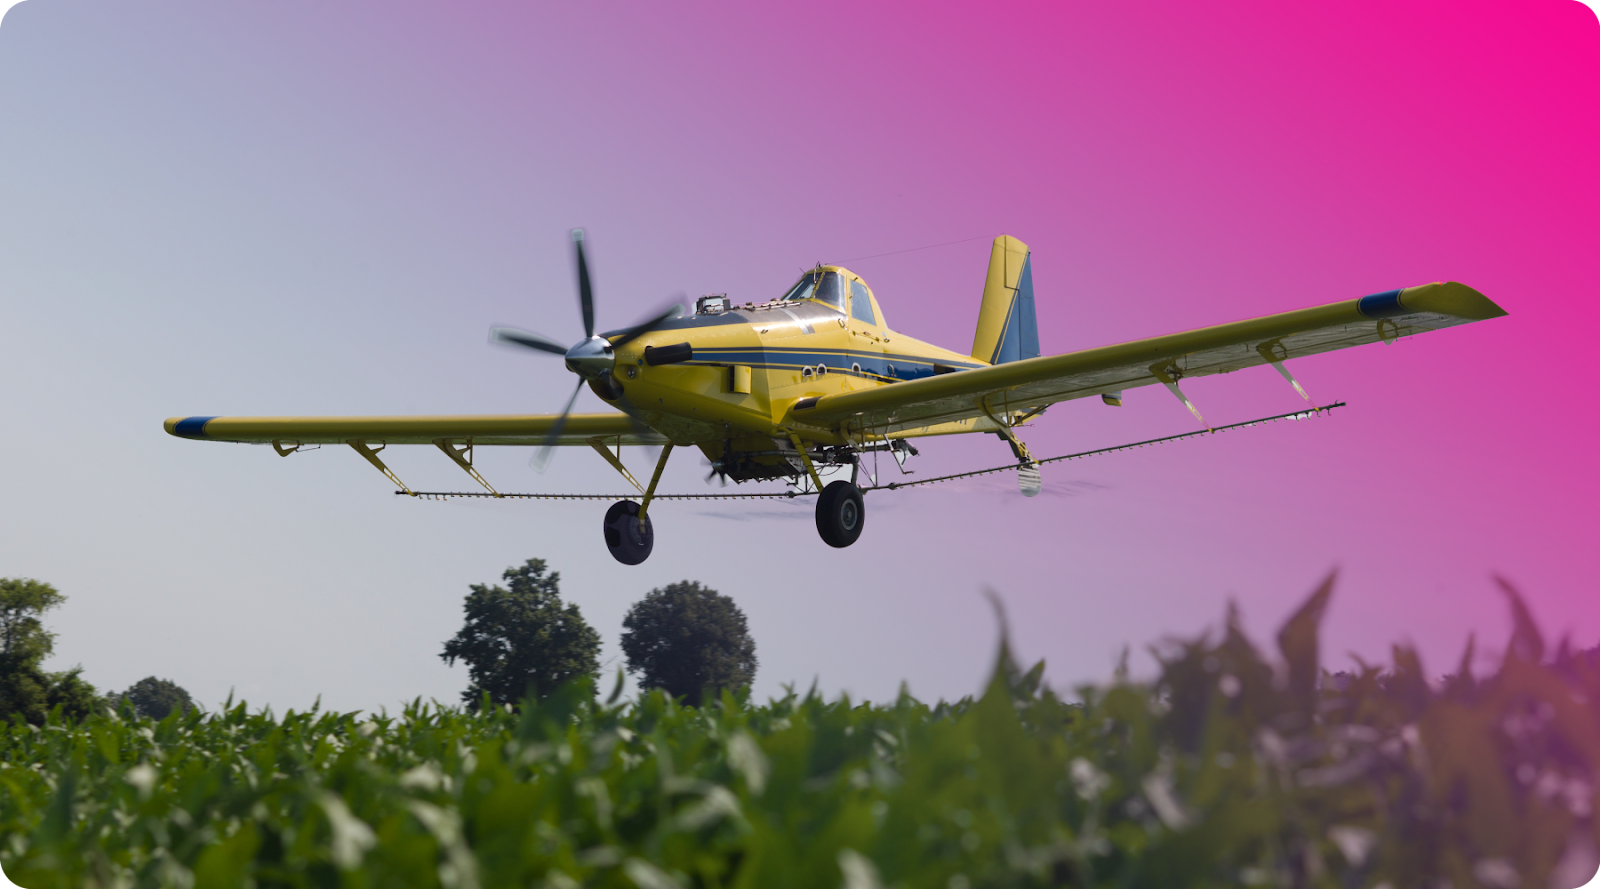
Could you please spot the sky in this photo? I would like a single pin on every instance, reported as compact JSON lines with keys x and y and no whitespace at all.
{"x":303,"y":208}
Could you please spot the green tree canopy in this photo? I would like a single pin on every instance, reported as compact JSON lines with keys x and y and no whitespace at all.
{"x":23,"y":602}
{"x":155,"y":698}
{"x":689,"y":640}
{"x":26,"y":690}
{"x":523,"y":638}
{"x":68,"y":690}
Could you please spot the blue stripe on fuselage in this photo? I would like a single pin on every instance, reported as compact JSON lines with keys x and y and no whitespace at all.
{"x":874,"y":365}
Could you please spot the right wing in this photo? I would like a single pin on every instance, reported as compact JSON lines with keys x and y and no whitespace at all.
{"x":912,"y":407}
{"x":510,"y":429}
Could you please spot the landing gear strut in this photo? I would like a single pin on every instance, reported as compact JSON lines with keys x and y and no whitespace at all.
{"x":841,"y":514}
{"x":628,"y":534}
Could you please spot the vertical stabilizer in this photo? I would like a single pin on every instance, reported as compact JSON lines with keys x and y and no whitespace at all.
{"x":1007,"y":328}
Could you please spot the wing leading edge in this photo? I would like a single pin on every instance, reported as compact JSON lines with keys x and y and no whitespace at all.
{"x":906,"y":408}
{"x":512,"y":429}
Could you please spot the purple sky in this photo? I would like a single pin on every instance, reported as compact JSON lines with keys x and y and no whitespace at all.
{"x":298,"y":209}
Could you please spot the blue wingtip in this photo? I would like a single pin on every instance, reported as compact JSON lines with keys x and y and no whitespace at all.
{"x":1381,"y":305}
{"x":192,"y":427}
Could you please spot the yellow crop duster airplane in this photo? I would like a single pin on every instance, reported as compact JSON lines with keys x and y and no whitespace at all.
{"x":806,"y":384}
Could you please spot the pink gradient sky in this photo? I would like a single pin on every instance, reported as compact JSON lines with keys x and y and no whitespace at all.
{"x":303,"y":209}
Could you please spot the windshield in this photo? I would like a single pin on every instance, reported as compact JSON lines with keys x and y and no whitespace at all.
{"x":829,"y":292}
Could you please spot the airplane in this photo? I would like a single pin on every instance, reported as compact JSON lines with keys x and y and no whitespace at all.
{"x":808,"y":384}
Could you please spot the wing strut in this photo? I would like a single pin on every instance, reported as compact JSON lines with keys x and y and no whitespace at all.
{"x":372,"y":457}
{"x":1269,"y":350}
{"x":615,"y":460}
{"x":444,"y":444}
{"x":1169,"y":375}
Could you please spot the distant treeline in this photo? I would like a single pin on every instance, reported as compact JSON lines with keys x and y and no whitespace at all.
{"x":684,"y":639}
{"x":29,"y":693}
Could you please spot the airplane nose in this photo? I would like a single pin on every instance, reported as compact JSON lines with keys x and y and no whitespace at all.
{"x":591,"y":358}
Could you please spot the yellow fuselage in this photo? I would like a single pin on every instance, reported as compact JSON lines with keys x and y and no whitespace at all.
{"x":753,"y":363}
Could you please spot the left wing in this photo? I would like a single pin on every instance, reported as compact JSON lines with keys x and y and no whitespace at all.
{"x":512,"y":429}
{"x":902,"y":409}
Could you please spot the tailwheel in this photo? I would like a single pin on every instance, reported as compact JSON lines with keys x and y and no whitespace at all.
{"x":841,"y":513}
{"x":629,"y":538}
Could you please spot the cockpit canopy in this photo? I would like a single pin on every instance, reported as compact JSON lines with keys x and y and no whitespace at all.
{"x":834,"y":290}
{"x":824,"y":287}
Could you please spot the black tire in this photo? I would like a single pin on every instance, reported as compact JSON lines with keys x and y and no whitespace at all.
{"x":841,"y":514}
{"x":629,"y":539}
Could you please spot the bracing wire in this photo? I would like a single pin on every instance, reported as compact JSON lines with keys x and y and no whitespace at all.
{"x":910,"y":250}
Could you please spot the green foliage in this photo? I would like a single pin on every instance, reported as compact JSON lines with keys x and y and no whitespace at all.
{"x":521,"y":639}
{"x":26,"y":690}
{"x":23,"y":602}
{"x":72,"y":694}
{"x":154,"y":698}
{"x":689,"y":641}
{"x":29,"y":693}
{"x":1227,"y":770}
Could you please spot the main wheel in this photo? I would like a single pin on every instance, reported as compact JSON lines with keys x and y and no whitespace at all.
{"x":840,"y":514}
{"x":629,"y":539}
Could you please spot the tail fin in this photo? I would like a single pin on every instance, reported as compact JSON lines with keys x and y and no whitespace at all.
{"x":1007,"y":329}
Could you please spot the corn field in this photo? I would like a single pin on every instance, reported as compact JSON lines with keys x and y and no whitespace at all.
{"x":1232,"y":767}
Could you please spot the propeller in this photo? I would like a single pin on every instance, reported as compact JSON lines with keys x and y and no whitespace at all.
{"x":541,"y":457}
{"x":593,"y":358}
{"x":719,"y":468}
{"x":673,"y":310}
{"x":716,"y":472}
{"x":511,"y":336}
{"x":585,"y":290}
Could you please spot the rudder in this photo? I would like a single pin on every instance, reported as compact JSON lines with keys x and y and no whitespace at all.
{"x":1007,"y":327}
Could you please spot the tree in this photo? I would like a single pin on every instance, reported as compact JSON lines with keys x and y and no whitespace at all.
{"x":26,"y":690}
{"x":76,"y":697}
{"x":23,"y":601}
{"x":155,"y":698}
{"x":523,"y":639}
{"x":689,"y":641}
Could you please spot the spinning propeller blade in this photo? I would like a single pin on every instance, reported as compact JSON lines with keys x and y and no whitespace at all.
{"x":541,"y":457}
{"x":585,"y":290}
{"x":644,"y":327}
{"x":512,"y":336}
{"x":716,"y":472}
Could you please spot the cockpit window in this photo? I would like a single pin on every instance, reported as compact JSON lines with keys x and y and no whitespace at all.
{"x":861,"y":303}
{"x":802,"y":290}
{"x":829,"y":291}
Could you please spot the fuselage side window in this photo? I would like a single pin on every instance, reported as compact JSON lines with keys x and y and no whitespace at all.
{"x":861,"y":303}
{"x":830,"y":291}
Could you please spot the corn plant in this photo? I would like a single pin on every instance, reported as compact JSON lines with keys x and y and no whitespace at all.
{"x":1229,"y":768}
